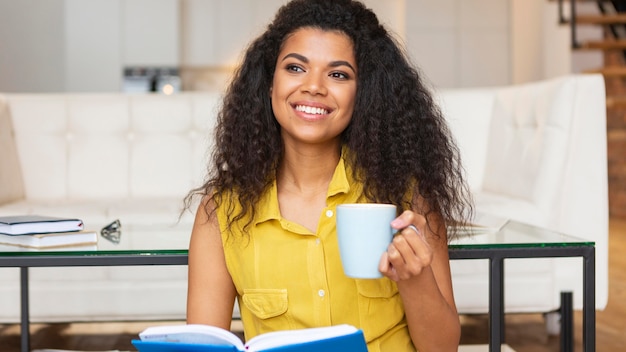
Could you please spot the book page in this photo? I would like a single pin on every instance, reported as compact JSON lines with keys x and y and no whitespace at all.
{"x":291,"y":337}
{"x":192,"y":334}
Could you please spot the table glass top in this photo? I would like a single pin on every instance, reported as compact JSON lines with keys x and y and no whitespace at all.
{"x":515,"y":234}
{"x":140,"y":240}
{"x":174,"y":240}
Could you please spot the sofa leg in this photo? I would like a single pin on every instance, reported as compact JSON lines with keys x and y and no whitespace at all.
{"x":561,"y":322}
{"x":567,"y":322}
{"x":553,"y":322}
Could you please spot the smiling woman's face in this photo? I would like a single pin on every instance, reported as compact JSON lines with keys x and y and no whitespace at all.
{"x":314,"y":86}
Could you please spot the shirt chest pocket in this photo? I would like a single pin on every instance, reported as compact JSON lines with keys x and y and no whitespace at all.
{"x":267,"y":309}
{"x":380,"y":306}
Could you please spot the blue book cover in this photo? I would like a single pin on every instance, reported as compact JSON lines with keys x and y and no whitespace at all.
{"x":197,"y":338}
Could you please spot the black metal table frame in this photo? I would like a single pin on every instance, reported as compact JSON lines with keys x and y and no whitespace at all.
{"x":66,"y":260}
{"x":496,"y":256}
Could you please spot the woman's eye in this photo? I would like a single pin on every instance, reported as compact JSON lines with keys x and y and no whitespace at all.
{"x":294,"y":68}
{"x":339,"y":75}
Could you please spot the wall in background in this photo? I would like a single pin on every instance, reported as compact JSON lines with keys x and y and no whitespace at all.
{"x":93,"y":54}
{"x":79,"y":46}
{"x":32,"y":45}
{"x":215,"y":32}
{"x":83,"y":46}
{"x":460,"y":43}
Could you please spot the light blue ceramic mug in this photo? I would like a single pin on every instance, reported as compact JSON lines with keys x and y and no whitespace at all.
{"x":364,"y":232}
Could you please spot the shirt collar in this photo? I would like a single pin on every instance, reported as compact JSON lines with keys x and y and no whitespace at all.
{"x":268,"y":208}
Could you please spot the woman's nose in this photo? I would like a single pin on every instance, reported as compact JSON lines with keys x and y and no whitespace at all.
{"x":314,"y":84}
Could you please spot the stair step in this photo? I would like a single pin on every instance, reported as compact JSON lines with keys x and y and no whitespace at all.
{"x":615,"y":102}
{"x":601,"y":19}
{"x":577,"y":1}
{"x":610,"y":44}
{"x":612,"y":71}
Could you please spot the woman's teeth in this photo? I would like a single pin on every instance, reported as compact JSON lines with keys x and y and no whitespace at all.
{"x":311,"y":110}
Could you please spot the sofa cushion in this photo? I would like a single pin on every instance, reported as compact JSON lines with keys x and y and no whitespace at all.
{"x":97,"y":147}
{"x":468,"y":114}
{"x":108,"y":146}
{"x":528,"y":141}
{"x":40,"y":123}
{"x":162,"y":146}
{"x":10,"y":171}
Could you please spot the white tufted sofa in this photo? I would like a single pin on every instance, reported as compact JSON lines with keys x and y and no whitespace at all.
{"x":101,"y":157}
{"x":535,"y":153}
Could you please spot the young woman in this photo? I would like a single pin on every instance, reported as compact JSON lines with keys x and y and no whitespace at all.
{"x":325,"y":109}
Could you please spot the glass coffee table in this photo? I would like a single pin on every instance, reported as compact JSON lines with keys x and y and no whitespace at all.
{"x":518,"y":240}
{"x":168,"y":246}
{"x":147,"y":245}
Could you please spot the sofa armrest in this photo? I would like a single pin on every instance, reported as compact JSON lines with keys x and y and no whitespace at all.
{"x":12,"y":187}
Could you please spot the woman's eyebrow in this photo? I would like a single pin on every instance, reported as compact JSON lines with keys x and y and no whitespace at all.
{"x":331,"y":64}
{"x":342,"y":63}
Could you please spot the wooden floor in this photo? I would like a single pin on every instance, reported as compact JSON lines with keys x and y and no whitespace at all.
{"x":524,"y":332}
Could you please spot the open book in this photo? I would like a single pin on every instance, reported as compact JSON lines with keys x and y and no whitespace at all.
{"x":204,"y":338}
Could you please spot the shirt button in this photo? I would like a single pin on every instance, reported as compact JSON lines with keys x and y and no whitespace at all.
{"x":321,"y":293}
{"x":317,"y":241}
{"x":329,"y":213}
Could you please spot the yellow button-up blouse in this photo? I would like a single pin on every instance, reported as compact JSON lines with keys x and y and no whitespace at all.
{"x":290,"y":278}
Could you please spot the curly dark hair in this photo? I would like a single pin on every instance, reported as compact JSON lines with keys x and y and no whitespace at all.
{"x":397,"y":137}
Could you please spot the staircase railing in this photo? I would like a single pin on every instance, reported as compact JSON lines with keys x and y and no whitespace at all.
{"x":572,"y":21}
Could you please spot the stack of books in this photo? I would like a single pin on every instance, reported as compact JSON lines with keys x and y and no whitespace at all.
{"x":37,"y":231}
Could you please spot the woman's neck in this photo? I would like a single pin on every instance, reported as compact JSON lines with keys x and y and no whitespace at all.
{"x":302,"y":181}
{"x":308,"y":170}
